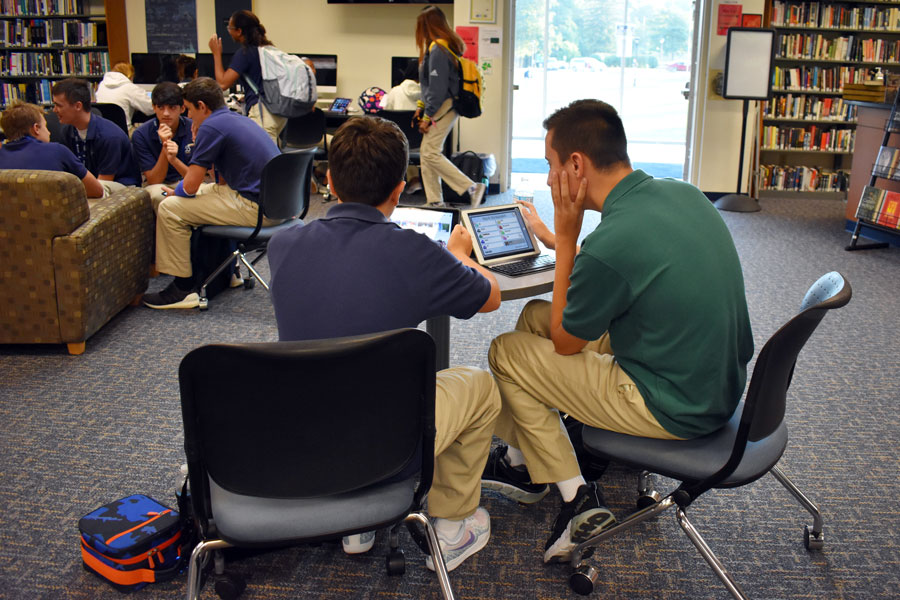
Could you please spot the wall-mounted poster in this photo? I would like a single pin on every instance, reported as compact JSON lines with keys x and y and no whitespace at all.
{"x":749,"y":20}
{"x":729,"y":16}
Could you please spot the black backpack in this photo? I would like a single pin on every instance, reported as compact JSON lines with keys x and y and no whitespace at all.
{"x":473,"y":166}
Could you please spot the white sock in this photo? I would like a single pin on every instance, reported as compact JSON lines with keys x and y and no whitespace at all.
{"x":449,"y":531}
{"x":514,"y":456}
{"x":569,"y":487}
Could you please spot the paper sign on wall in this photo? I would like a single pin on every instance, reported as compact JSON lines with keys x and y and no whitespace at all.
{"x":729,"y":16}
{"x":469,"y":35}
{"x":489,"y":42}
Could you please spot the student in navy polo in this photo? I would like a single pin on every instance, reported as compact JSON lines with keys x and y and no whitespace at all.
{"x":162,"y":145}
{"x":239,"y":149}
{"x":355,"y":272}
{"x":100,"y":144}
{"x":28,"y":146}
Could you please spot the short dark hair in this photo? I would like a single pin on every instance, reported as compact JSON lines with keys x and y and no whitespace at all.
{"x":206,"y":90}
{"x":186,"y":66}
{"x":74,"y":90}
{"x":367,"y":159}
{"x":167,"y":93}
{"x":592,"y":127}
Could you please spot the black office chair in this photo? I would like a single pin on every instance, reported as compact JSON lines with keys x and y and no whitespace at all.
{"x":307,"y":132}
{"x":55,"y":127}
{"x":403,"y":119}
{"x":746,"y":448}
{"x":283,"y":194}
{"x":114,"y":113}
{"x":324,"y":438}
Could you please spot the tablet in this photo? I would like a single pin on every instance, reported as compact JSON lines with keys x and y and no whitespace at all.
{"x":340,"y":105}
{"x":500,"y":234}
{"x":435,"y":222}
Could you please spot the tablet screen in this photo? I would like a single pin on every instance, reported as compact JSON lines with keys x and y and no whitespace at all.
{"x":340,"y":105}
{"x":436,"y":224}
{"x":500,"y":232}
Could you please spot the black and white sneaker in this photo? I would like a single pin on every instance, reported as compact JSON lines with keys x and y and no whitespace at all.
{"x":579,"y":520}
{"x":512,"y":482}
{"x":172,"y":297}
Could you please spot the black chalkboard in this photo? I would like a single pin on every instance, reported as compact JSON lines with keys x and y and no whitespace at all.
{"x":171,"y":26}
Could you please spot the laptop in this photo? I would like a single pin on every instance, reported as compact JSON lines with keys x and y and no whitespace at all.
{"x":435,"y":222}
{"x":503,"y":242}
{"x":340,"y":106}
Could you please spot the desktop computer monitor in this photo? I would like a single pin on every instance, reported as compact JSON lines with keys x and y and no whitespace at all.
{"x":153,"y":67}
{"x":206,"y":66}
{"x":326,"y":71}
{"x":399,"y":67}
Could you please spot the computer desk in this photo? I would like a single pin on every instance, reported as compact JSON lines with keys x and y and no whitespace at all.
{"x":511,"y":288}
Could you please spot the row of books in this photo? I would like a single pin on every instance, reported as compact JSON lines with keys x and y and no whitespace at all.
{"x":816,"y":78}
{"x":802,"y":106}
{"x":37,"y":92}
{"x":42,"y":7}
{"x":880,"y":207}
{"x":817,"y":14}
{"x":52,"y":32}
{"x":65,"y":62}
{"x":808,"y":46}
{"x":802,"y":179}
{"x":887,"y":163}
{"x":807,"y":138}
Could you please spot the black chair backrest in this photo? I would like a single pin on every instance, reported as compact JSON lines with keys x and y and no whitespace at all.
{"x":54,"y":126}
{"x":284,"y":185}
{"x":308,"y":419}
{"x":114,"y":113}
{"x":403,"y":119}
{"x":305,"y":131}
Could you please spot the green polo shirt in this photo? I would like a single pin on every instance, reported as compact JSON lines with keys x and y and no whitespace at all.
{"x":662,"y":275}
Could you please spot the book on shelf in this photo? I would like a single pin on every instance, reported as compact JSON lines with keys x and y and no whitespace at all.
{"x":870,"y":203}
{"x":887,"y":162}
{"x":890,"y":211}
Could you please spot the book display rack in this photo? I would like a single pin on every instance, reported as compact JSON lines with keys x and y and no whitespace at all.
{"x":42,"y":41}
{"x":880,"y":209}
{"x":808,"y":130}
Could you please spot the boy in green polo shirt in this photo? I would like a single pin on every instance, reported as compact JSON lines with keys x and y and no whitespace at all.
{"x":647,"y":333}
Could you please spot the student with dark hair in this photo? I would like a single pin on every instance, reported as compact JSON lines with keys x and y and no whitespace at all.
{"x":647,"y":333}
{"x":186,"y":67}
{"x":355,"y":272}
{"x":405,"y":95}
{"x":28,"y":146}
{"x":239,"y":149}
{"x":439,"y":78}
{"x":244,"y":28}
{"x":100,"y":144}
{"x":162,"y":145}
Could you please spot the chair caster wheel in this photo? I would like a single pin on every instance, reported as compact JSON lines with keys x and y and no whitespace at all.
{"x":395,"y":563}
{"x":249,"y":283}
{"x":204,"y":303}
{"x":648,"y":499}
{"x":582,"y":580}
{"x":812,"y":541}
{"x":229,"y":587}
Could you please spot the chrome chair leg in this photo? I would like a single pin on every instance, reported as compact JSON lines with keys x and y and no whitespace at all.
{"x":815,"y":539}
{"x":253,"y":271}
{"x":708,"y":555}
{"x":193,"y":582}
{"x":440,"y":568}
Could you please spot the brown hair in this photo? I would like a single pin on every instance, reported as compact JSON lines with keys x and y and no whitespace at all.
{"x":19,"y":118}
{"x":592,"y":127}
{"x":206,"y":90}
{"x":432,"y":25}
{"x":74,"y":90}
{"x":125,"y":69}
{"x":253,"y":31}
{"x":367,"y":159}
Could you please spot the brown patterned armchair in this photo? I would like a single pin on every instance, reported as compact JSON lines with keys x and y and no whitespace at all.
{"x":65,"y":270}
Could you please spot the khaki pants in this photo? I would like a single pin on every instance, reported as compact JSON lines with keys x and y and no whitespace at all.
{"x":272,"y":124}
{"x":156,"y":192}
{"x":466,"y":405}
{"x":214,"y":204}
{"x":434,"y":165}
{"x":111,"y":187}
{"x":536,"y":384}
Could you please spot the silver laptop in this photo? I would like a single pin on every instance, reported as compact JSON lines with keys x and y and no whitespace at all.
{"x":503,"y":242}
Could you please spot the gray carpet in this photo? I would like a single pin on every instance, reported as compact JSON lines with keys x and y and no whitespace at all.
{"x":77,"y":432}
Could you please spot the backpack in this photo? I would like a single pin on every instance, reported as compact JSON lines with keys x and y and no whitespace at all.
{"x":289,"y":84}
{"x":473,"y":166}
{"x":467,"y":100}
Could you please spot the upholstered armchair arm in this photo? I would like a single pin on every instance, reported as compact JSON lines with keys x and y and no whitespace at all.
{"x":104,"y":264}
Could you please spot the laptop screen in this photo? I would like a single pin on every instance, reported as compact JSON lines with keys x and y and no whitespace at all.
{"x":436,"y":223}
{"x":501,"y":232}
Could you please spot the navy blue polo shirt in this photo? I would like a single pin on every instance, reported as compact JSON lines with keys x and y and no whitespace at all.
{"x":238,"y":147}
{"x":107,"y":150}
{"x":246,"y":62}
{"x":31,"y":153}
{"x":354,"y":272}
{"x":147,"y":146}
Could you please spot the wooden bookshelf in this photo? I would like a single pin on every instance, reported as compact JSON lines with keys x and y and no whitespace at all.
{"x":808,"y":132}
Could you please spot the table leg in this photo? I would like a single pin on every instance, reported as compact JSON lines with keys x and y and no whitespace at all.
{"x":439,"y":329}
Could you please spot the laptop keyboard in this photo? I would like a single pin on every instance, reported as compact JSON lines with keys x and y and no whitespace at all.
{"x":526,"y":266}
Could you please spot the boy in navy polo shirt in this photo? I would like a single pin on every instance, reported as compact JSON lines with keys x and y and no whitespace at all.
{"x":239,"y":149}
{"x":100,"y":144}
{"x":162,"y":145}
{"x":355,"y":272}
{"x":28,"y":146}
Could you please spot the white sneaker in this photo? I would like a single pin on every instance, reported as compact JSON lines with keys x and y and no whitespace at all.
{"x":359,"y":542}
{"x":474,"y":536}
